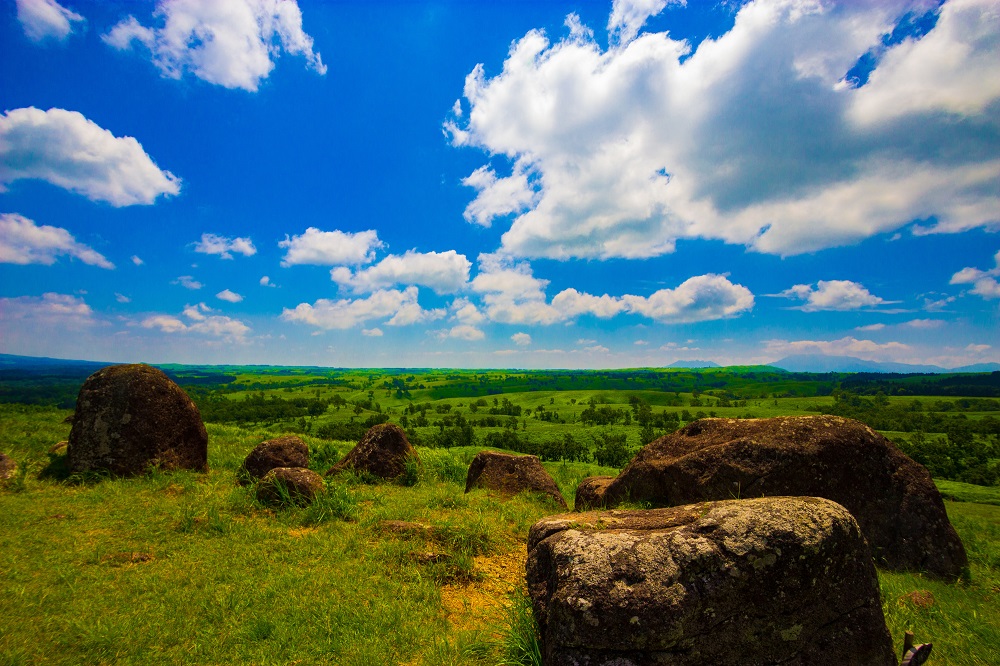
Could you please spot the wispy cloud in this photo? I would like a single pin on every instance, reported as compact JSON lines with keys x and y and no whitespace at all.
{"x":46,"y":19}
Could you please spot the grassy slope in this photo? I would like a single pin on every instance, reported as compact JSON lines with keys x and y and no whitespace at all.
{"x":184,"y":568}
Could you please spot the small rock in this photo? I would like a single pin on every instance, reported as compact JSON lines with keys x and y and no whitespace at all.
{"x":295,"y":485}
{"x":382,"y":453}
{"x":510,"y":475}
{"x":786,"y":580}
{"x":286,"y":451}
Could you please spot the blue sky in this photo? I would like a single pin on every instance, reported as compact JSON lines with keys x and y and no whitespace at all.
{"x":518,"y":184}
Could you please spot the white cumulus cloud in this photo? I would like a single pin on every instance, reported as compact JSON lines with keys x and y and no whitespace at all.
{"x":329,"y":248}
{"x":984,"y":282}
{"x":750,"y":137}
{"x":24,"y":242}
{"x":372,"y":332}
{"x":188,"y":282}
{"x":224,"y":247}
{"x":399,"y":308}
{"x":43,"y":19}
{"x":444,"y":272}
{"x":833,"y":295}
{"x":227,"y":295}
{"x":200,"y":322}
{"x":521,"y":339}
{"x":700,"y":298}
{"x":232,"y":44}
{"x":67,"y":150}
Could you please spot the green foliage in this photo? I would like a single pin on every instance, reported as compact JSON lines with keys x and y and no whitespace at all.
{"x":520,"y":643}
{"x":612,"y":450}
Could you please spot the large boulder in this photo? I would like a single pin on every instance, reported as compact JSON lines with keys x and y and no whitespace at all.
{"x":382,"y":453}
{"x":899,"y":509}
{"x":133,"y":417}
{"x":285,"y":451}
{"x":776,"y":580}
{"x":510,"y":474}
{"x":286,"y":486}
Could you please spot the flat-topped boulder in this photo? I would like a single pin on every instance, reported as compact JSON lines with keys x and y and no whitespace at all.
{"x":284,"y":451}
{"x":774,"y":580}
{"x":893,"y":498}
{"x":132,"y":417}
{"x":510,"y":474}
{"x":381,"y":453}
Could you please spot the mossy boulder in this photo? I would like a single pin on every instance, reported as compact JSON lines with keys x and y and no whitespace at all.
{"x":893,"y":498}
{"x":775,"y":580}
{"x":132,"y":417}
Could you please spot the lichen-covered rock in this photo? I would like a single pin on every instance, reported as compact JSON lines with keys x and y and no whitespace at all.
{"x":899,"y":509}
{"x":8,"y":468}
{"x":133,"y":417}
{"x":285,"y":451}
{"x":510,"y":474}
{"x":289,"y":485}
{"x":382,"y":453}
{"x":776,"y":580}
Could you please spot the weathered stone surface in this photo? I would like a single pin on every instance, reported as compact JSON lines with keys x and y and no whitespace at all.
{"x":773,"y":580}
{"x":132,"y":417}
{"x":300,"y":485}
{"x":382,"y":452}
{"x":899,"y":509}
{"x":285,"y":451}
{"x":590,"y":492}
{"x":510,"y":474}
{"x":7,"y":467}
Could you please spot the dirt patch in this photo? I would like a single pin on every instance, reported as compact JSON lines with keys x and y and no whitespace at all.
{"x":173,"y":490}
{"x":918,"y":599}
{"x":121,"y":559}
{"x":479,"y":605}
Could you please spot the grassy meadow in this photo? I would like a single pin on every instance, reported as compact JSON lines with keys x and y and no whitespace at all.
{"x":188,"y":568}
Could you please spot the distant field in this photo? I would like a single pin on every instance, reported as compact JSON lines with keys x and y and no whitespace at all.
{"x":187,"y":568}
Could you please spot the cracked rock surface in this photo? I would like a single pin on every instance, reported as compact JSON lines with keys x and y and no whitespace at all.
{"x":132,"y":417}
{"x":893,"y":498}
{"x":776,"y":580}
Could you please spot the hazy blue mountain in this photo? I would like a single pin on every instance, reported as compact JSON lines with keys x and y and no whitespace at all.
{"x":694,"y":364}
{"x":823,"y":363}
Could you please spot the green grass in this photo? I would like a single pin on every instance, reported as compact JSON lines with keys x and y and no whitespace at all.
{"x":967,"y":492}
{"x":187,"y":568}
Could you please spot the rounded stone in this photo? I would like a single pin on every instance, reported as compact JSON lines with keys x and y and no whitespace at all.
{"x":285,"y":451}
{"x":284,"y":486}
{"x":130,"y":418}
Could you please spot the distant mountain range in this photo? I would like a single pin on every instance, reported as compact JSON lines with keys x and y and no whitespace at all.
{"x":822,"y":363}
{"x":694,"y":364}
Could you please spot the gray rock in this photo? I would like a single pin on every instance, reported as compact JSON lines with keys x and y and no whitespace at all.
{"x":762,"y":581}
{"x":133,"y":417}
{"x":893,"y":498}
